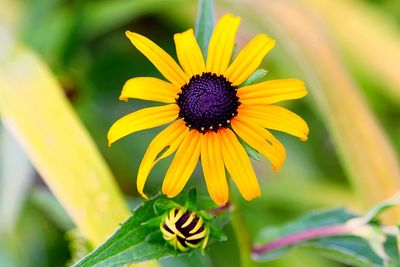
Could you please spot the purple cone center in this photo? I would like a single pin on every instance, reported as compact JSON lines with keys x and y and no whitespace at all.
{"x":208,"y":102}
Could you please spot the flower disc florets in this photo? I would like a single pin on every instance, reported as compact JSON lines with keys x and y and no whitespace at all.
{"x":208,"y":102}
{"x":184,"y":229}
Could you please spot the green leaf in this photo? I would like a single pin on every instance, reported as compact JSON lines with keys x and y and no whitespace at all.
{"x":381,"y":207}
{"x":349,"y":250}
{"x":163,"y":204}
{"x":251,"y":152}
{"x":312,"y":220}
{"x":365,"y":245}
{"x":16,"y":178}
{"x":205,"y":24}
{"x":78,"y":245}
{"x":255,"y":77}
{"x":133,"y":242}
{"x":46,"y":201}
{"x":139,"y":238}
{"x":104,"y":16}
{"x":234,"y":53}
{"x":192,"y":199}
{"x":218,"y":235}
{"x":40,"y":86}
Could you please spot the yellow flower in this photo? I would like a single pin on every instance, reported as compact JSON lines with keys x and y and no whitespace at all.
{"x":208,"y":110}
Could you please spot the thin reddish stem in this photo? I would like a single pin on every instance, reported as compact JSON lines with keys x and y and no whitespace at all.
{"x":300,"y":237}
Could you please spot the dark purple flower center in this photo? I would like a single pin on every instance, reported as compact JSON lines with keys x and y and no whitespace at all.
{"x":208,"y":102}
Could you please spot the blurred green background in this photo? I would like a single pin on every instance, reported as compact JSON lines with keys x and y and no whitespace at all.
{"x":84,"y":44}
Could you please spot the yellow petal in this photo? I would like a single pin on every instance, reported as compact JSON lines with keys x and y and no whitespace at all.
{"x":238,"y":165}
{"x":189,"y":220}
{"x":276,"y":118}
{"x":148,"y":88}
{"x":213,"y":168}
{"x":189,"y":53}
{"x":261,"y":140}
{"x":183,"y":164}
{"x":160,"y":59}
{"x":170,"y":138}
{"x":198,"y":235}
{"x":142,"y":119}
{"x":198,"y":225}
{"x":249,"y":59}
{"x":273,"y":91}
{"x":221,"y":44}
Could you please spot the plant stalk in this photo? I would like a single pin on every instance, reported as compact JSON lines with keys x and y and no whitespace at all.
{"x":301,"y":237}
{"x":241,"y":233}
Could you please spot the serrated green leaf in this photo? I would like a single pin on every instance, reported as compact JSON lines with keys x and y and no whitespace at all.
{"x":130,"y":244}
{"x":139,"y":238}
{"x":205,"y":24}
{"x":255,"y":77}
{"x":161,"y":205}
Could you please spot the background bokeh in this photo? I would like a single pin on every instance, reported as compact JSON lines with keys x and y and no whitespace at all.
{"x":346,"y":51}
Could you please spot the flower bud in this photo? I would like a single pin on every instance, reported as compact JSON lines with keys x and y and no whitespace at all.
{"x":184,"y":229}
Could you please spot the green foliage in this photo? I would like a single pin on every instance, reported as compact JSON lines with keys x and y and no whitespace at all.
{"x":337,"y":234}
{"x":251,"y":152}
{"x":130,"y":242}
{"x":85,"y":42}
{"x":139,"y":238}
{"x":205,"y":24}
{"x":78,"y":245}
{"x":255,"y":77}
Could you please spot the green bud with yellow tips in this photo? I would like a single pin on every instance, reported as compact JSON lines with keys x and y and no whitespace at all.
{"x":185,"y":229}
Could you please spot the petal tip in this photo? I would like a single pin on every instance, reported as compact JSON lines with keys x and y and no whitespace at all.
{"x":306,"y":132}
{"x":166,"y":191}
{"x":221,"y":202}
{"x":226,"y":16}
{"x":109,"y":140}
{"x":276,"y":167}
{"x":123,"y":98}
{"x":143,"y":195}
{"x":252,"y":197}
{"x":230,"y":16}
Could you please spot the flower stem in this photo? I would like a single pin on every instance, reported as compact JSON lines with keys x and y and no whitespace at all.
{"x":242,"y":236}
{"x":298,"y":237}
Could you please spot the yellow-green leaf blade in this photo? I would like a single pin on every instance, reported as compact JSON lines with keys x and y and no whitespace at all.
{"x":35,"y":110}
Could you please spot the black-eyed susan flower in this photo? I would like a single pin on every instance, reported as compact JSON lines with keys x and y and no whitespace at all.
{"x":184,"y":229}
{"x":207,"y":110}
